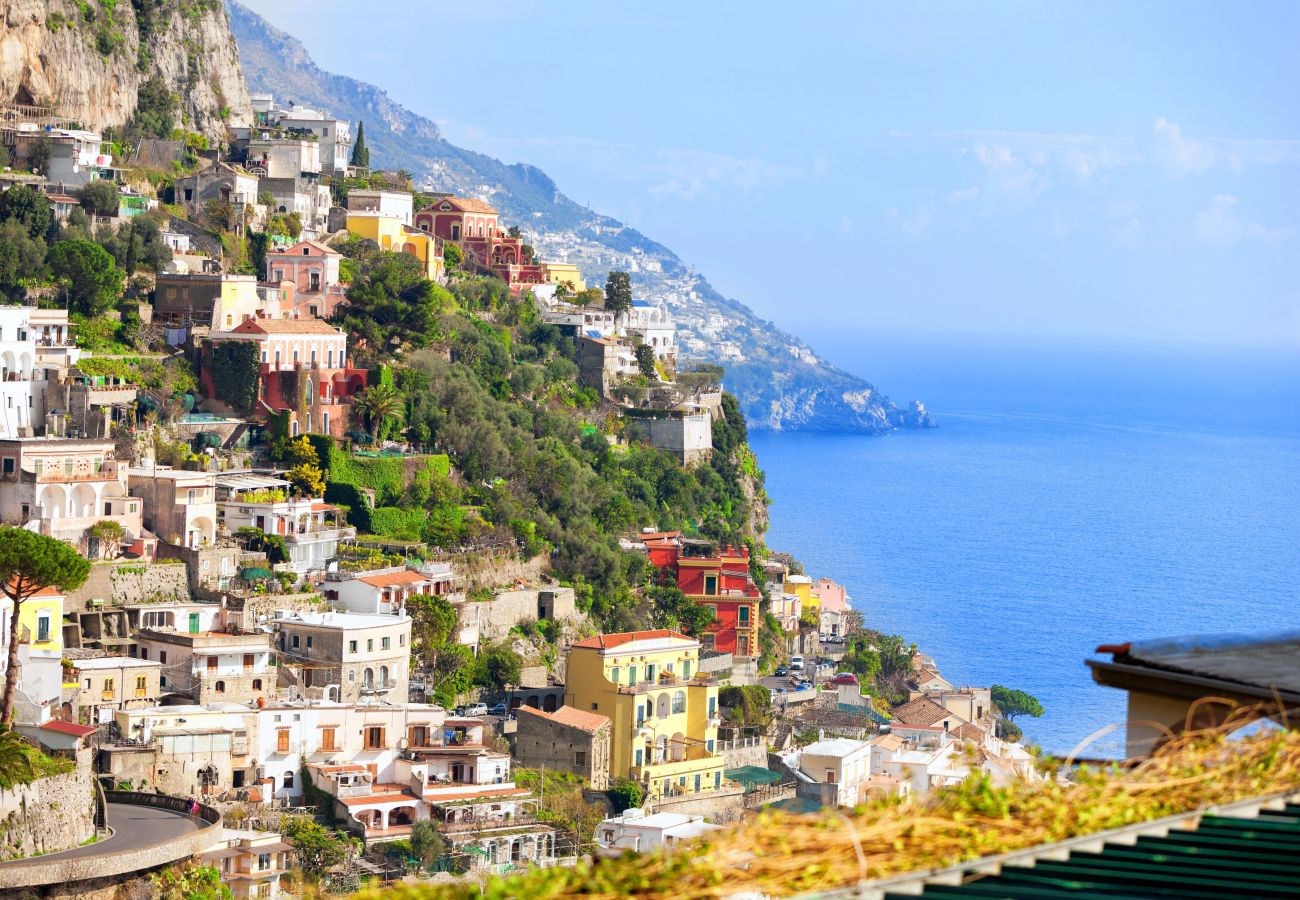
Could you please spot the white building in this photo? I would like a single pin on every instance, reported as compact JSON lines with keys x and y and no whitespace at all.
{"x":396,"y":204}
{"x":654,"y":326}
{"x":840,"y":765}
{"x":350,"y":657}
{"x":307,"y":524}
{"x":334,"y":136}
{"x":641,"y":833}
{"x":386,"y":591}
{"x":251,"y":863}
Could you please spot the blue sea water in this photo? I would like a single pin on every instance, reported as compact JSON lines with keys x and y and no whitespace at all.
{"x":1070,"y":497}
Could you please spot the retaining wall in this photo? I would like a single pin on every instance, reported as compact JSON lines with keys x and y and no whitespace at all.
{"x":50,"y":814}
{"x":69,"y":873}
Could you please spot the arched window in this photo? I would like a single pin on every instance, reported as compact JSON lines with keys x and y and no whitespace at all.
{"x":257,"y":684}
{"x":288,"y":780}
{"x":219,"y":687}
{"x":368,"y":677}
{"x":663,"y":705}
{"x":679,"y":702}
{"x":383,"y":674}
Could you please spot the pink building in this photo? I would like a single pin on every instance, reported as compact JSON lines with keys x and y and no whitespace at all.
{"x":833,"y":596}
{"x":313,"y":269}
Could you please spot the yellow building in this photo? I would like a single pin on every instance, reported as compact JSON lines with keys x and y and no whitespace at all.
{"x":237,"y":302}
{"x":561,"y":273}
{"x":801,"y":587}
{"x":40,"y":652}
{"x":40,"y":622}
{"x":664,"y":714}
{"x":391,"y":234}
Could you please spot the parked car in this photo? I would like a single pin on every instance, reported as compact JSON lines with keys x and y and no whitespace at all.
{"x":845,"y":678}
{"x":803,"y":686}
{"x":796,"y":664}
{"x":498,"y":710}
{"x":477,"y":709}
{"x":782,"y":671}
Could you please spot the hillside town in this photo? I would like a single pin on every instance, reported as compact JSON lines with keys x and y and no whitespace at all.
{"x":254,"y":579}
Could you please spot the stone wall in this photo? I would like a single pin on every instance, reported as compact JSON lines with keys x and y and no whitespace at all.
{"x":543,"y":743}
{"x":511,"y":608}
{"x":722,"y":806}
{"x":130,"y":581}
{"x":50,"y":814}
{"x":744,"y":752}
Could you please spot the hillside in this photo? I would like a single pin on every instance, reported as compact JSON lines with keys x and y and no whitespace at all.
{"x":89,"y":61}
{"x":781,"y":381}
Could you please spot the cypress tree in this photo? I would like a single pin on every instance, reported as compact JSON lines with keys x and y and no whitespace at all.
{"x":360,"y":155}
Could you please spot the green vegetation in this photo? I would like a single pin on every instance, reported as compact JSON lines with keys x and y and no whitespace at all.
{"x":746,"y":705}
{"x":1011,"y":703}
{"x":235,"y":371}
{"x":618,"y":292}
{"x":360,"y":153}
{"x":21,"y":762}
{"x":883,"y":662}
{"x":317,"y":847}
{"x":89,"y":275}
{"x":563,"y":802}
{"x":626,"y":794}
{"x":189,"y":882}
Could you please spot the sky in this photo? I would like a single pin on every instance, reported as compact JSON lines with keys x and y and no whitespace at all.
{"x":1101,"y":171}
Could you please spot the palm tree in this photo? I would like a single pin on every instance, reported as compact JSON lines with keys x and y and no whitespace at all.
{"x":382,"y":408}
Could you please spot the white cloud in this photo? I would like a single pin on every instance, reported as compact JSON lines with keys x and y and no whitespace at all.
{"x":964,"y":195}
{"x":1183,"y":156}
{"x":1009,"y":176}
{"x":1219,"y":225}
{"x":697,"y":173}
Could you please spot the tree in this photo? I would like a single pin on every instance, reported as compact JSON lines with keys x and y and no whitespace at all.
{"x":108,"y":535}
{"x":452,"y":255}
{"x":1012,"y":703}
{"x":673,"y":609}
{"x":22,"y":256}
{"x":29,"y":563}
{"x":94,"y":282}
{"x":426,"y":843}
{"x":190,"y":882}
{"x":618,"y":292}
{"x":645,"y":360}
{"x":155,"y":110}
{"x":40,"y":155}
{"x":499,"y":667}
{"x":360,"y":154}
{"x":383,"y":408}
{"x":318,"y":848}
{"x":626,"y":794}
{"x":307,"y":479}
{"x":29,"y":207}
{"x":99,"y":198}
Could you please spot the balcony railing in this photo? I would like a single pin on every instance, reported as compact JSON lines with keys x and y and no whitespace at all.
{"x":377,"y":687}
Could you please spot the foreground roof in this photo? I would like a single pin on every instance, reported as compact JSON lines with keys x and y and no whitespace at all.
{"x":610,"y":641}
{"x":1252,"y":667}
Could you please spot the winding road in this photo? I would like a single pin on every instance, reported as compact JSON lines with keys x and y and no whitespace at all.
{"x":134,"y":827}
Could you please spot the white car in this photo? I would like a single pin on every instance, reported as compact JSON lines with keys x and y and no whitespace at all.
{"x":478,"y":709}
{"x":796,"y":664}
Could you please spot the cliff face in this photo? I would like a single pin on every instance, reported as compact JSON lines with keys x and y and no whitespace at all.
{"x":88,"y":59}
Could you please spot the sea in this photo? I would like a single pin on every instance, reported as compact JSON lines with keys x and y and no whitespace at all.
{"x":1071,"y":496}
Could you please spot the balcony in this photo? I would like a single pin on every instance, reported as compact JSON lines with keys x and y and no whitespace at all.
{"x":378,"y":687}
{"x":110,"y":470}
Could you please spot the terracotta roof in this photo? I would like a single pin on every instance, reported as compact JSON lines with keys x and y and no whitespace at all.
{"x":47,"y":591}
{"x":71,"y":728}
{"x":922,"y":711}
{"x":348,"y":768}
{"x":607,"y":641}
{"x":323,"y":507}
{"x":384,"y":793}
{"x":970,"y":732}
{"x":889,"y":741}
{"x":393,"y":578}
{"x":590,"y":722}
{"x":464,"y":204}
{"x":320,"y":248}
{"x":286,"y":326}
{"x":487,"y":793}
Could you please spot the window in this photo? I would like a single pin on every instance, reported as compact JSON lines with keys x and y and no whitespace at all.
{"x":640,"y":753}
{"x":108,"y":685}
{"x":418,"y":736}
{"x":141,"y":682}
{"x":309,"y":642}
{"x":43,"y":627}
{"x":744,"y":615}
{"x":679,"y":702}
{"x":374,"y":737}
{"x":264,"y":859}
{"x":288,"y":780}
{"x":631,"y":674}
{"x":219,"y":687}
{"x":713,"y":706}
{"x":383,"y":643}
{"x":710,"y":584}
{"x":257,"y":684}
{"x":87,"y":684}
{"x":709,"y":746}
{"x":212,"y":663}
{"x":401,"y":640}
{"x":293,"y":642}
{"x":595,"y":706}
{"x":580,"y":758}
{"x":370,"y":644}
{"x":162,"y":656}
{"x":613,"y":675}
{"x":248,"y":660}
{"x":327,"y":740}
{"x":9,"y":465}
{"x":352,"y":646}
{"x":282,"y":740}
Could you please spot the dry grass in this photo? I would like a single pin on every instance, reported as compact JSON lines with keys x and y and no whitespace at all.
{"x":780,"y":854}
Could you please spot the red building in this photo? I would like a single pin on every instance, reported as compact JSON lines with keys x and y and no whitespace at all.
{"x":303,"y":370}
{"x":476,"y":227}
{"x":719,"y":581}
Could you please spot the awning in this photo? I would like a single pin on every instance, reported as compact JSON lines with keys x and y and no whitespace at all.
{"x":752,"y":776}
{"x":254,"y":572}
{"x":476,"y":850}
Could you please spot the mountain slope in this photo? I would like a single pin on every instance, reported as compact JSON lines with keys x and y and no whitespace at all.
{"x":780,"y":381}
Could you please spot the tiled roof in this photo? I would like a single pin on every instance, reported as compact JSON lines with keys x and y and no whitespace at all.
{"x":384,"y":793}
{"x":468,"y":204}
{"x":970,"y":732}
{"x":485,"y":793}
{"x":287,"y":326}
{"x":608,"y":641}
{"x":394,"y":578}
{"x":889,"y":741}
{"x":296,"y":249}
{"x":574,"y":718}
{"x":71,"y":728}
{"x":922,"y":711}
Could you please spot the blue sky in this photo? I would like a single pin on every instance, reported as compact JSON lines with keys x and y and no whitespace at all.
{"x":1098,"y":171}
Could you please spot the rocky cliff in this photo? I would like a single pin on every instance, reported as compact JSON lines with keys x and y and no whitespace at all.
{"x":781,"y":382}
{"x":86,"y":59}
